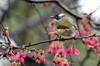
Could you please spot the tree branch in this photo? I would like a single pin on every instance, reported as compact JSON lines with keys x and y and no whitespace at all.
{"x":62,"y":39}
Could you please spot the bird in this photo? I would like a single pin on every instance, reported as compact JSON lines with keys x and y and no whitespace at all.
{"x":64,"y":24}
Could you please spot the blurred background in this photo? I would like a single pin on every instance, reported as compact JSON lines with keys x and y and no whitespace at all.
{"x":28,"y":23}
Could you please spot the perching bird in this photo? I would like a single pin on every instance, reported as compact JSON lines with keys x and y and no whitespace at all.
{"x":62,"y":21}
{"x":64,"y":24}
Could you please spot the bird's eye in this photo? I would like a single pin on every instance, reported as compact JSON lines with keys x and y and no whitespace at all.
{"x":57,"y":17}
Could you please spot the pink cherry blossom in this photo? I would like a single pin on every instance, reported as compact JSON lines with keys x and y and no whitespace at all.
{"x":90,"y":42}
{"x":38,"y":56}
{"x":61,"y":52}
{"x":50,"y":51}
{"x":87,"y":27}
{"x":72,"y":51}
{"x":57,"y":61}
{"x":55,"y":46}
{"x":40,"y":59}
{"x":20,"y":56}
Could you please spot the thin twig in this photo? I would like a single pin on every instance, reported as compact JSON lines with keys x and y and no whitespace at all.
{"x":94,"y":10}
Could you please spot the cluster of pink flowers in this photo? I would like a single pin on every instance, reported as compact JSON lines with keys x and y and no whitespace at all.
{"x":14,"y":58}
{"x":40,"y":59}
{"x":59,"y":61}
{"x":61,"y":53}
{"x":54,"y":47}
{"x":20,"y":56}
{"x":72,"y":51}
{"x":38,"y":56}
{"x":60,"y":58}
{"x":91,"y":42}
{"x":85,"y":27}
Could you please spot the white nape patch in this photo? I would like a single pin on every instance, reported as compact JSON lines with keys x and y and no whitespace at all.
{"x":61,"y":15}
